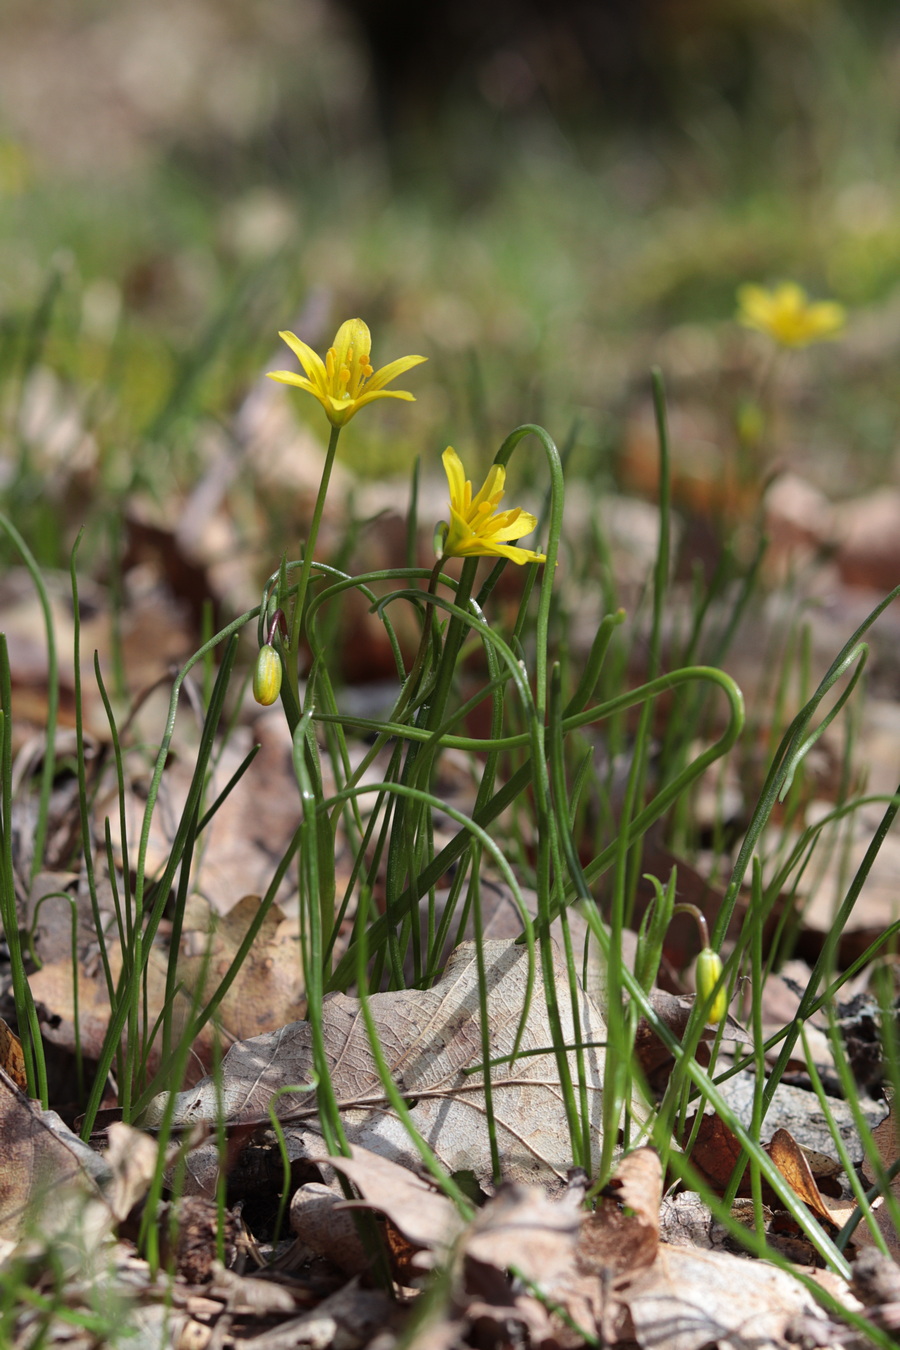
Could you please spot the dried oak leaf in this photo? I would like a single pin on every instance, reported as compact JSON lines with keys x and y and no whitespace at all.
{"x":264,"y":993}
{"x":690,"y":1299}
{"x":44,"y":1176}
{"x":425,"y":1217}
{"x":12,"y":1058}
{"x":432,"y":1042}
{"x":887,"y":1141}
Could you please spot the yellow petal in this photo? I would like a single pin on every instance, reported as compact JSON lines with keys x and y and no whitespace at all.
{"x":392,"y":370}
{"x":512,"y":525}
{"x":291,"y":377}
{"x":353,"y":405}
{"x":311,"y":362}
{"x":353,"y":337}
{"x":456,"y":477}
{"x":493,"y":487}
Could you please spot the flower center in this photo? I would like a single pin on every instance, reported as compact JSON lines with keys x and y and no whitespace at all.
{"x":346,"y":380}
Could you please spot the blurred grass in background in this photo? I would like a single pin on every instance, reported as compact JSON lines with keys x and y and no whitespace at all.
{"x":543,"y":205}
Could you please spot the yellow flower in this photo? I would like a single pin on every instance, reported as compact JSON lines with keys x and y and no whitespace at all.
{"x":345,"y":381}
{"x":787,"y":314}
{"x":476,"y":527}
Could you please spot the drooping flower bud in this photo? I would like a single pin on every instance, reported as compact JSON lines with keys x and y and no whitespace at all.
{"x":267,"y":676}
{"x":709,"y":968}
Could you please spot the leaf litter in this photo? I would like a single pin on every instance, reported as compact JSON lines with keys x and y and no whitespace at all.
{"x":533,"y":1266}
{"x":531,"y":1258}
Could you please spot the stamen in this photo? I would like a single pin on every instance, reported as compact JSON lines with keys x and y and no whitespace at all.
{"x":330,"y":359}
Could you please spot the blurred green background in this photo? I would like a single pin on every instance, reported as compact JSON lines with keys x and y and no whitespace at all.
{"x":543,"y":199}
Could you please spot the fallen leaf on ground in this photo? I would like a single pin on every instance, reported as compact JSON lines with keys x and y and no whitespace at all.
{"x":12,"y":1060}
{"x":523,"y":1228}
{"x":886,"y":1140}
{"x":789,"y":1158}
{"x":431,"y":1039}
{"x":265,"y":993}
{"x":690,"y":1299}
{"x":423,"y":1214}
{"x":43,"y":1176}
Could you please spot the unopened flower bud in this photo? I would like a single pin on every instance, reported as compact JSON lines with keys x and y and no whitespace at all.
{"x":709,"y":968}
{"x":267,"y":676}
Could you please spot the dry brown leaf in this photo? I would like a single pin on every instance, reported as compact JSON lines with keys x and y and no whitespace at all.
{"x":37,"y":1164}
{"x":430,"y":1039}
{"x":523,"y":1227}
{"x":876,"y":1281}
{"x":690,"y":1299}
{"x":613,"y":1244}
{"x":638,"y":1185}
{"x":131,"y":1156}
{"x":625,"y":1285}
{"x":346,"y":1320}
{"x":238,"y":850}
{"x":324,"y":1223}
{"x":52,"y":989}
{"x":424,"y":1215}
{"x":715,"y":1152}
{"x":789,"y":1158}
{"x":265,"y":993}
{"x":885,"y":1136}
{"x":12,"y":1060}
{"x":610,"y":1247}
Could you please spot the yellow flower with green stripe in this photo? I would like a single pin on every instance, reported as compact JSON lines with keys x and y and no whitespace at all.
{"x":788,"y":315}
{"x":477,"y":528}
{"x":345,"y":381}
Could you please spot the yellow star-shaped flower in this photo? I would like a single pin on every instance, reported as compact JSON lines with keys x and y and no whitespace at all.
{"x":345,"y":381}
{"x":787,"y":314}
{"x":476,"y":527}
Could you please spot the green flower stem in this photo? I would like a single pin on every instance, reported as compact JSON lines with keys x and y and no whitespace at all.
{"x":395,"y":1097}
{"x":142,"y":943}
{"x":312,"y":943}
{"x":521,"y":779}
{"x":571,"y":721}
{"x":557,"y":503}
{"x":402,"y":862}
{"x":309,"y":550}
{"x":708,"y":1089}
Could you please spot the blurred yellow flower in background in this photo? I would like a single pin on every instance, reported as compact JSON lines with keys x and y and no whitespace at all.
{"x":787,"y":314}
{"x":476,"y":527}
{"x":345,"y":381}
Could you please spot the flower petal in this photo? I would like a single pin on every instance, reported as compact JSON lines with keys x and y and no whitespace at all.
{"x":291,"y":377}
{"x":311,"y":362}
{"x":392,"y":370}
{"x":502,"y":527}
{"x":456,"y":477}
{"x":371,"y":394}
{"x":827,"y":316}
{"x":493,"y":487}
{"x":354,"y":337}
